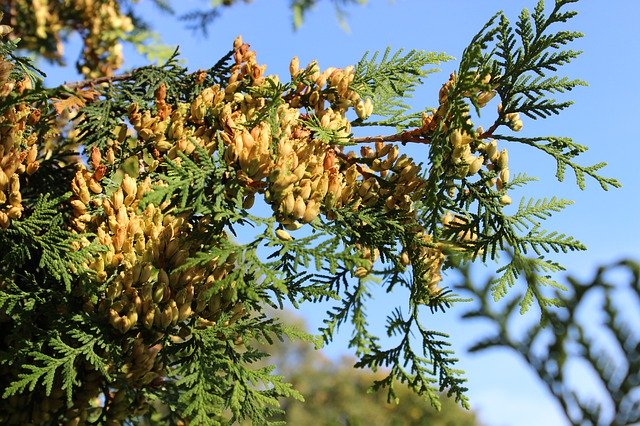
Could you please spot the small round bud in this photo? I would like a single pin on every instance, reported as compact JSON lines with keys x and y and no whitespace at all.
{"x":283,"y":235}
{"x":505,"y":200}
{"x":294,"y":66}
{"x":361,"y":272}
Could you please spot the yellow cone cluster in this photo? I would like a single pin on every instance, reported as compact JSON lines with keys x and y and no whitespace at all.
{"x":18,"y":146}
{"x":498,"y":162}
{"x":146,"y":291}
{"x":300,"y":173}
{"x":41,"y":24}
{"x":401,"y":184}
{"x":146,"y":246}
{"x":169,"y":131}
{"x":305,"y":174}
{"x":300,"y":180}
{"x":470,"y":152}
{"x":143,"y":366}
{"x":427,"y":259}
{"x":309,"y":175}
{"x":318,"y":89}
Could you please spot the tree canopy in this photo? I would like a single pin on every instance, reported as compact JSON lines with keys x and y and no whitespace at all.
{"x":122,"y":285}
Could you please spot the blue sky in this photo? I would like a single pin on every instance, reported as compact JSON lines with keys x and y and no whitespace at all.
{"x":605,"y":117}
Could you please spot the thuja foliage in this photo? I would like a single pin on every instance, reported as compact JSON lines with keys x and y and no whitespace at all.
{"x":610,"y":347}
{"x":127,"y":281}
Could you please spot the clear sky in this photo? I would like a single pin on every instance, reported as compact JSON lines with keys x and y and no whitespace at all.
{"x":605,"y":117}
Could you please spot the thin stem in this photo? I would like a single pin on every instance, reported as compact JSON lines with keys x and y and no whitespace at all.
{"x":354,"y":160}
{"x":491,"y":129}
{"x":404,"y":137}
{"x":99,"y":80}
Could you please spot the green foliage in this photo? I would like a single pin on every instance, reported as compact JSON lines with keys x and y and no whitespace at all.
{"x":523,"y":64}
{"x":563,"y":150}
{"x":83,"y":348}
{"x":73,"y":317}
{"x":518,"y":61}
{"x":248,"y":392}
{"x":390,"y":81}
{"x":427,"y":374}
{"x":40,"y":240}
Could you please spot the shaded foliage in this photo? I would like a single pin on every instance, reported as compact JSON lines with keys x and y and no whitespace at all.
{"x":605,"y":349}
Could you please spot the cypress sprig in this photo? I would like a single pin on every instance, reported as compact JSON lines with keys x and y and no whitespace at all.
{"x":60,"y":369}
{"x":44,"y":241}
{"x":563,"y":150}
{"x":390,"y":80}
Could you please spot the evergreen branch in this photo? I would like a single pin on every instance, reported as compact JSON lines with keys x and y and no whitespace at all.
{"x":530,"y":211}
{"x":363,"y":341}
{"x":424,"y":371}
{"x":391,"y":79}
{"x":186,"y":181}
{"x":336,"y":317}
{"x":531,"y":87}
{"x":45,"y":374}
{"x":506,"y":40}
{"x":541,"y":108}
{"x":522,"y":179}
{"x":247,"y":393}
{"x":535,"y":270}
{"x":255,"y":394}
{"x":523,"y":64}
{"x":43,"y":231}
{"x":563,"y":150}
{"x":13,"y":299}
{"x":542,"y":240}
{"x":63,"y":365}
{"x":200,"y":403}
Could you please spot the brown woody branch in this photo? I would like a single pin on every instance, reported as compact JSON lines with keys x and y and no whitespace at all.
{"x":415,"y":135}
{"x":489,"y":132}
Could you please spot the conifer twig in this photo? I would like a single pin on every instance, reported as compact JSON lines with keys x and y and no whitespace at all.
{"x":404,"y":137}
{"x":99,"y":80}
{"x":489,"y":132}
